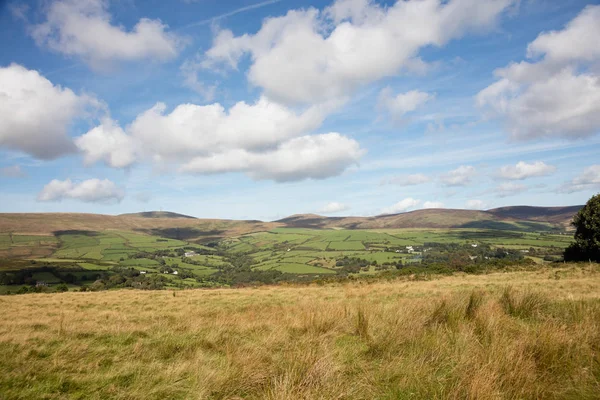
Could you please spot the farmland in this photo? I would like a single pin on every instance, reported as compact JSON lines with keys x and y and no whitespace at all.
{"x":267,"y":256}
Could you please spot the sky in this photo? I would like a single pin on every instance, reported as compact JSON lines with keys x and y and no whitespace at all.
{"x":246,"y":109}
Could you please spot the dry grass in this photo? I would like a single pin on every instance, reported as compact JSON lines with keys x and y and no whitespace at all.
{"x":522,"y":335}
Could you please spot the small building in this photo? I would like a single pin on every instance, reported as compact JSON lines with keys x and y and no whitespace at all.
{"x":142,"y":272}
{"x":189,"y":253}
{"x":409,"y":249}
{"x":174,"y":272}
{"x":474,"y":245}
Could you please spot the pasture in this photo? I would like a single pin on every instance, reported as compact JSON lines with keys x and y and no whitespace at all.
{"x":522,"y":334}
{"x":287,"y":249}
{"x":306,"y":253}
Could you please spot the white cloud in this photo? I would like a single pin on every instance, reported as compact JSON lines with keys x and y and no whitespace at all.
{"x":522,"y":170}
{"x":35,"y":114}
{"x":83,"y":28}
{"x":91,"y":191}
{"x":399,"y":105}
{"x":264,"y":140}
{"x":314,"y":157}
{"x":334,"y":207}
{"x":109,"y":143}
{"x":588,"y":180}
{"x":191,"y":129}
{"x":559,"y":94}
{"x":311,"y":56}
{"x":401,"y":206}
{"x":509,"y":189}
{"x":460,"y":176}
{"x":408,"y":180}
{"x":476,"y":205}
{"x":13,"y":171}
{"x":433,"y":204}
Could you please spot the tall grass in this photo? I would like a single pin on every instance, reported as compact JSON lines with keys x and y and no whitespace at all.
{"x":507,"y":335}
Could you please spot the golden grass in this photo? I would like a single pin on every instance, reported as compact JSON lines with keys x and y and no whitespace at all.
{"x":531,"y":334}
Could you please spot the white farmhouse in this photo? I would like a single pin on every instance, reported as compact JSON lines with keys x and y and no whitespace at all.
{"x":142,"y":272}
{"x":410,"y":249}
{"x":174,"y":272}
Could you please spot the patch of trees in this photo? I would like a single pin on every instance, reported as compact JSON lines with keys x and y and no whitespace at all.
{"x":587,"y":234}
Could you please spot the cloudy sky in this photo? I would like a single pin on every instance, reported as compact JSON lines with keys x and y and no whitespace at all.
{"x":259,"y":110}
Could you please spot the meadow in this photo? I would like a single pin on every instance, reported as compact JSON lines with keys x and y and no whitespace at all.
{"x":521,"y":334}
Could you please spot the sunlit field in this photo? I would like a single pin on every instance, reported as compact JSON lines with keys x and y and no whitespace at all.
{"x":521,"y":334}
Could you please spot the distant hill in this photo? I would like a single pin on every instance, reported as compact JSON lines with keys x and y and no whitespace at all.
{"x":518,"y":217}
{"x":184,"y":227}
{"x":156,"y":214}
{"x":556,"y":215}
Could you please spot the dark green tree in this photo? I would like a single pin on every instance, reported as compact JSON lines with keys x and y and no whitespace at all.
{"x":587,"y":235}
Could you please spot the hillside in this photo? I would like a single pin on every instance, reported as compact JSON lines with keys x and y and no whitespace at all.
{"x":500,"y":218}
{"x":554,"y":215}
{"x":173,"y":227}
{"x":184,"y":227}
{"x":156,"y":214}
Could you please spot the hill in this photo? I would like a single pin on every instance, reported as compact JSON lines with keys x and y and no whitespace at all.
{"x":556,"y":215}
{"x":183,"y":227}
{"x":156,"y":214}
{"x":191,"y":229}
{"x":518,"y":217}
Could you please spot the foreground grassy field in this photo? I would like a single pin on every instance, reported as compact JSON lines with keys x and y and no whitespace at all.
{"x":526,"y":334}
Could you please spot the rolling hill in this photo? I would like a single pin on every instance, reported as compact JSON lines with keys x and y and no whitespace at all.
{"x":523,"y":217}
{"x":156,"y":214}
{"x":184,"y":227}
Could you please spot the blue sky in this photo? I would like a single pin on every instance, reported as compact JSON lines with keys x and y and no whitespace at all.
{"x":259,"y":110}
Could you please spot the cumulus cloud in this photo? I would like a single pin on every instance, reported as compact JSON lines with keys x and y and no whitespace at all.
{"x":509,"y":189}
{"x":433,"y":204}
{"x":90,"y":191}
{"x":522,"y":170}
{"x":108,"y":143}
{"x":83,"y":28}
{"x":13,"y":171}
{"x":557,"y":92}
{"x":588,"y":180}
{"x":265,"y":140}
{"x":408,"y":180}
{"x":334,"y":207}
{"x":315,"y":157}
{"x":401,"y":206}
{"x":475,"y":204}
{"x":309,"y":56}
{"x":460,"y":176}
{"x":399,"y":105}
{"x":36,"y":114}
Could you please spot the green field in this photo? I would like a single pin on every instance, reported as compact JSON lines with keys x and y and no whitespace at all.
{"x":291,"y":251}
{"x":296,"y":250}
